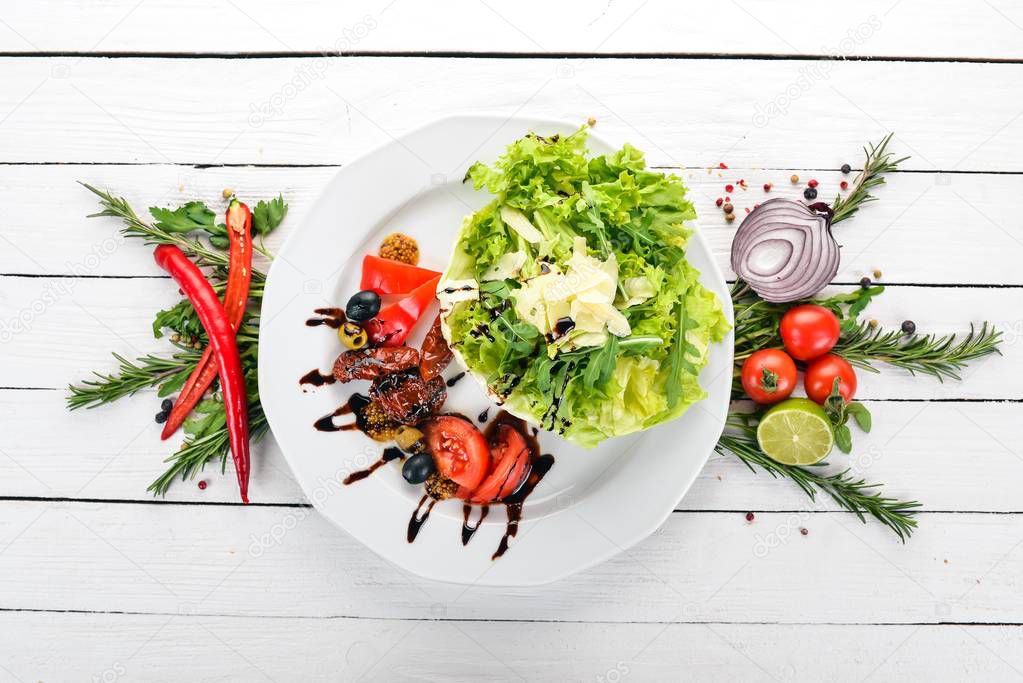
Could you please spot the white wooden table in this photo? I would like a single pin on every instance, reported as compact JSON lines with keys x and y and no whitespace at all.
{"x":164,"y":101}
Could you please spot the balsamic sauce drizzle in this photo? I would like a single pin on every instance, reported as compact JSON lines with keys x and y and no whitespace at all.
{"x":416,"y":522}
{"x":389,"y":454}
{"x":331,"y":317}
{"x":455,"y":379}
{"x":353,"y":406}
{"x":482,"y":417}
{"x":469,"y":531}
{"x":315,"y":378}
{"x":513,"y":503}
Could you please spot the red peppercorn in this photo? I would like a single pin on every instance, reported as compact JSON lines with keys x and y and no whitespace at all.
{"x":844,"y":185}
{"x":202,"y":484}
{"x":756,"y":206}
{"x":728,"y":199}
{"x":749,"y":516}
{"x":767,"y":187}
{"x":812,"y":183}
{"x":719,"y":201}
{"x":747,"y":209}
{"x":729,"y":188}
{"x":803,"y":530}
{"x":722,"y":165}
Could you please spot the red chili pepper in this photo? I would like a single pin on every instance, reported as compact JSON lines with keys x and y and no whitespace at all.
{"x":387,"y":276}
{"x":239,"y":276}
{"x":392,"y":325}
{"x":221,"y":335}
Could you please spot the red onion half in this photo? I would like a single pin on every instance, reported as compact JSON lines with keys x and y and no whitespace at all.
{"x":784,"y":250}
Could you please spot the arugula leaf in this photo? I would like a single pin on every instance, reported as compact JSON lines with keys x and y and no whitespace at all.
{"x":678,"y":364}
{"x":268,"y":215}
{"x":601,"y":364}
{"x":188,"y":218}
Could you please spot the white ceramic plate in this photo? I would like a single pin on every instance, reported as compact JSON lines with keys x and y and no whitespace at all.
{"x":592,"y":504}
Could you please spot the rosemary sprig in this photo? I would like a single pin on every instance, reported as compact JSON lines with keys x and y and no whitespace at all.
{"x":878,"y":162}
{"x":852,"y":494}
{"x":193,"y":455}
{"x":940,"y":356}
{"x":145,"y":372}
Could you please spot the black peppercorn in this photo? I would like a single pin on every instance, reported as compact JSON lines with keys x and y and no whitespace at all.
{"x":864,"y":282}
{"x":166,"y":405}
{"x":846,"y":168}
{"x":810,"y":193}
{"x":161,"y":417}
{"x":908,"y":327}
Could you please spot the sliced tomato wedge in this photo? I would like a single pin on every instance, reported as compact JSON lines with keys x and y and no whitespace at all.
{"x":510,"y":461}
{"x":459,"y":450}
{"x":387,"y":276}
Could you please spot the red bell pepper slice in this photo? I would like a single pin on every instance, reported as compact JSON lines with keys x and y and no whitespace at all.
{"x":392,"y":325}
{"x":387,"y":276}
{"x":239,"y":276}
{"x":225,"y":349}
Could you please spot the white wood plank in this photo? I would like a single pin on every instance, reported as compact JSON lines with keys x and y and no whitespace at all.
{"x":332,"y":110}
{"x":155,"y":647}
{"x":930,"y":452}
{"x":57,"y":330}
{"x":875,"y":27}
{"x":927,"y":228}
{"x":708,"y":567}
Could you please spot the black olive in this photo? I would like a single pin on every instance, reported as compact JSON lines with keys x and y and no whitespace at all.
{"x":161,"y":417}
{"x":846,"y":168}
{"x":363,"y":305}
{"x":908,"y":327}
{"x":418,"y":468}
{"x":810,"y":193}
{"x":166,"y":405}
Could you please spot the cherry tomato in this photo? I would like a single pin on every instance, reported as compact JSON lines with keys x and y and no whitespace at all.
{"x":809,"y":331}
{"x":510,"y":461}
{"x":459,"y":449}
{"x":821,"y":374}
{"x":769,"y":375}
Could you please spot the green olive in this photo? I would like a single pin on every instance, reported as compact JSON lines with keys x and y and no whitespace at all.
{"x":352,"y":336}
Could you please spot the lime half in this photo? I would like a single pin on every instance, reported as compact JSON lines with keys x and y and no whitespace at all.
{"x":796,"y":432}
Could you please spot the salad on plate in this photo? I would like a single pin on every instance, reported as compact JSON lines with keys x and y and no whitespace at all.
{"x":569,"y":296}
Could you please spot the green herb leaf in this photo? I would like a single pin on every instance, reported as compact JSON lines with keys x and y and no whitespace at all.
{"x":601,"y":364}
{"x":268,"y":215}
{"x":843,"y":438}
{"x":180,"y":318}
{"x":860,"y":413}
{"x":678,"y":364}
{"x":207,"y":417}
{"x":188,"y":218}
